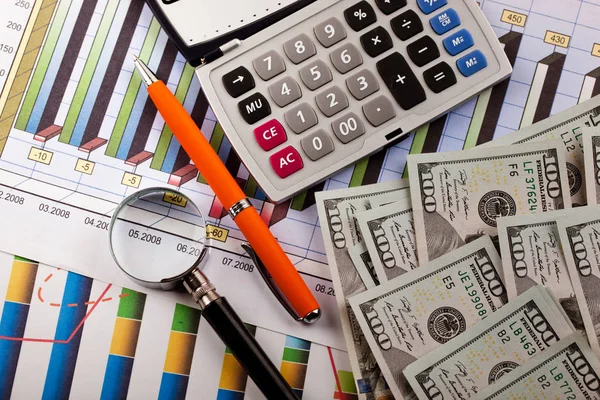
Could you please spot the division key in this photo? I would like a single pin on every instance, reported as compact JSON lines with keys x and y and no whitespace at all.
{"x":401,"y":81}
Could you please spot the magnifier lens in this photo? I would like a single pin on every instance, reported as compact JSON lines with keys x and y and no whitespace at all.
{"x":157,"y":235}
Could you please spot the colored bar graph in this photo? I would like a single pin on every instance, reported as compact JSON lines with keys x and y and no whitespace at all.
{"x":435,"y":130}
{"x":123,"y":345}
{"x":273,"y":213}
{"x":55,"y":83}
{"x":294,"y":363}
{"x":489,"y":103}
{"x":347,"y":389}
{"x":64,"y":355}
{"x":591,"y":85}
{"x":543,"y":89}
{"x":306,"y":199}
{"x":232,"y":385}
{"x":180,"y":351}
{"x":14,"y":319}
{"x":94,"y":69}
{"x":217,"y":211}
{"x":136,"y":137}
{"x":183,"y":175}
{"x":26,"y":60}
{"x":43,"y":64}
{"x":109,"y":81}
{"x":135,"y":86}
{"x":367,"y":170}
{"x":164,"y":150}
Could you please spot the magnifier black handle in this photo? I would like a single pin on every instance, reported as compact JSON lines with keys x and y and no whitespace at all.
{"x":230,"y":328}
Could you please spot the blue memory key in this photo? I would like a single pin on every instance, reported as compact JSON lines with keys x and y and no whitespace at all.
{"x":429,"y":6}
{"x":458,"y":42}
{"x":471,"y":63}
{"x":445,"y":21}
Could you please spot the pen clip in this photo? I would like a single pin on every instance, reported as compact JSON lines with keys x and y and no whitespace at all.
{"x":270,"y":282}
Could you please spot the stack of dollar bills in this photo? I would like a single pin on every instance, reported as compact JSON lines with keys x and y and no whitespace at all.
{"x":478,"y":277}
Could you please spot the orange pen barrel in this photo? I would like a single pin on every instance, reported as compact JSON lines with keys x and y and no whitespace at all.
{"x":213,"y":170}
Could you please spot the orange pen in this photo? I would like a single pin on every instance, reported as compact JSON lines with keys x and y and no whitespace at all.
{"x":270,"y":259}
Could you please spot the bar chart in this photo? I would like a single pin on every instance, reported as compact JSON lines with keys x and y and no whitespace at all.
{"x":66,"y":336}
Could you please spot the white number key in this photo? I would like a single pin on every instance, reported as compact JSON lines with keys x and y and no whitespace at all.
{"x":362,"y":84}
{"x":268,"y":65}
{"x":346,"y":58}
{"x":332,"y":101}
{"x":330,"y":32}
{"x":299,"y":48}
{"x":317,"y":145}
{"x":285,"y":91}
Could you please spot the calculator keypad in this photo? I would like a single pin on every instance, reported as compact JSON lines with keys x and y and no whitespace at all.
{"x":285,"y":91}
{"x":315,"y":74}
{"x":330,"y":32}
{"x":348,"y":128}
{"x":376,"y":41}
{"x":362,"y":84}
{"x":379,"y":110}
{"x":336,"y":79}
{"x":299,"y":48}
{"x":360,"y":15}
{"x":317,"y":145}
{"x":301,"y":118}
{"x":332,"y":101}
{"x":269,"y":65}
{"x":346,"y":58}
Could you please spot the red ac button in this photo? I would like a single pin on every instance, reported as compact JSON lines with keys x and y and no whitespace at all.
{"x":270,"y":135}
{"x":286,"y":161}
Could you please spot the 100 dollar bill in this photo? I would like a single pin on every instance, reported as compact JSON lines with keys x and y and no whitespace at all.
{"x":413,"y":314}
{"x":337,"y":209}
{"x":458,"y":196}
{"x":591,"y":155}
{"x":521,"y":329}
{"x":389,"y":235}
{"x":567,"y":370}
{"x":569,"y":127}
{"x":580,"y":238}
{"x":532,"y":254}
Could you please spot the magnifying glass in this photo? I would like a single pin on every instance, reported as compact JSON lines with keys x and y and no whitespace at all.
{"x":158,"y":239}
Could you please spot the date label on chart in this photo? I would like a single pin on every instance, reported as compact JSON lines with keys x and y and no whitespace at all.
{"x":38,"y":155}
{"x":216,"y":233}
{"x":596,"y":50}
{"x":131,"y":180}
{"x":175,"y":199}
{"x":557,"y":39}
{"x":85,"y":166}
{"x":513,"y":18}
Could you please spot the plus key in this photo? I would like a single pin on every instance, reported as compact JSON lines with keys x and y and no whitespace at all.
{"x":401,"y":81}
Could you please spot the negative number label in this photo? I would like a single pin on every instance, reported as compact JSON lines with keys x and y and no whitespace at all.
{"x":175,"y":198}
{"x":513,"y":18}
{"x":131,"y":180}
{"x":557,"y":39}
{"x":596,"y":50}
{"x":85,"y":166}
{"x":39,"y":155}
{"x":217,"y":233}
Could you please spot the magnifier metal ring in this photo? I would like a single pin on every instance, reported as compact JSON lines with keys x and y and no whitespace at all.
{"x":157,"y":236}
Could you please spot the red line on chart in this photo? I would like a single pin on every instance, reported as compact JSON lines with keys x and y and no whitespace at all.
{"x":77,"y":328}
{"x":335,"y":374}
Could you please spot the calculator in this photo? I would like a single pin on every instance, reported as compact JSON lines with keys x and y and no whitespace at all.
{"x":336,"y":80}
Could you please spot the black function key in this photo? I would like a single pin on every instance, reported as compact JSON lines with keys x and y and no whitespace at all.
{"x":254,"y":108}
{"x":238,"y":82}
{"x":407,"y":25}
{"x":439,"y":77}
{"x":360,"y":15}
{"x":389,"y":6}
{"x":401,"y":81}
{"x":376,"y":41}
{"x":423,"y":51}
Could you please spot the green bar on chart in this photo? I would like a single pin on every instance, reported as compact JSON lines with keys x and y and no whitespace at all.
{"x":165,"y":136}
{"x":417,"y":144}
{"x":42,"y":65}
{"x":359,"y":172}
{"x":132,"y":91}
{"x":88,"y":71}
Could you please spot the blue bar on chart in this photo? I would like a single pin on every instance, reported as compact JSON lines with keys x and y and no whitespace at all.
{"x":64,"y":355}
{"x":14,"y":319}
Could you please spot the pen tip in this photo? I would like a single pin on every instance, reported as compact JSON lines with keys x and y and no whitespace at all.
{"x":135,"y":58}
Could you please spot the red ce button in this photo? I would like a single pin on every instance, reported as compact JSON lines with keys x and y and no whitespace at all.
{"x":270,"y":135}
{"x":286,"y":161}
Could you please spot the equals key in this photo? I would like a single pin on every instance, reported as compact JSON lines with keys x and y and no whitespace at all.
{"x":440,"y":77}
